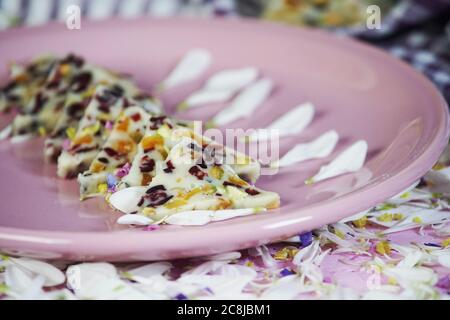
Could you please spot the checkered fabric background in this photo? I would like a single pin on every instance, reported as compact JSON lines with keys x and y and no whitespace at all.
{"x":417,"y":31}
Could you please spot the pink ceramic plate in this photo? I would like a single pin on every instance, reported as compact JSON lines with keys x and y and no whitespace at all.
{"x":361,"y":92}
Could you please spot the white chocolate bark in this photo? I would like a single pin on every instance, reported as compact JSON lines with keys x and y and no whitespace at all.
{"x":76,"y":103}
{"x":162,"y":134}
{"x":119,"y":149}
{"x":25,"y":81}
{"x":105,"y":106}
{"x":41,"y":113}
{"x":184,"y":181}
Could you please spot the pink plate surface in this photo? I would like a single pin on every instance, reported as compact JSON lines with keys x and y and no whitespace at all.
{"x":359,"y":91}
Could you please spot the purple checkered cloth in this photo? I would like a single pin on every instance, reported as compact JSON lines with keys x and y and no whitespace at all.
{"x":417,"y":31}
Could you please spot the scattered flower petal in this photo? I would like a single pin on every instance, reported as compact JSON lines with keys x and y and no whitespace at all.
{"x":350,"y":160}
{"x":192,"y":65}
{"x":245,"y":103}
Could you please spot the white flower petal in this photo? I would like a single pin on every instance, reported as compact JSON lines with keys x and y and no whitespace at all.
{"x":307,"y":254}
{"x":350,"y":160}
{"x":126,"y":200}
{"x":220,"y":215}
{"x":234,"y":255}
{"x":222,"y":86}
{"x":444,"y":260}
{"x":409,"y":276}
{"x":232,"y":79}
{"x":354,"y":217}
{"x":411,"y":187}
{"x":236,"y":270}
{"x":413,"y":217}
{"x":135,"y":219}
{"x":52,"y":275}
{"x":206,"y":267}
{"x":439,"y":181}
{"x":265,"y":255}
{"x":292,"y":122}
{"x":319,"y":148}
{"x":17,"y":278}
{"x":6,"y":132}
{"x":20,"y":138}
{"x":190,"y":218}
{"x":203,"y":97}
{"x":191,"y":66}
{"x":245,"y":102}
{"x":99,"y":281}
{"x":150,"y":270}
{"x":34,"y":290}
{"x":202,"y":217}
{"x":286,"y":288}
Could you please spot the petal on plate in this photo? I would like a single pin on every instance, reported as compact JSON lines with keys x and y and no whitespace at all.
{"x":319,"y":148}
{"x":21,"y":138}
{"x":191,"y":66}
{"x":350,"y":160}
{"x":134,"y":219}
{"x":204,"y":96}
{"x":190,"y":218}
{"x":221,"y":87}
{"x":234,"y":255}
{"x":232,"y":79}
{"x":6,"y":132}
{"x":220,"y":215}
{"x":126,"y":200}
{"x":201,"y":217}
{"x":292,"y":122}
{"x":246,"y":102}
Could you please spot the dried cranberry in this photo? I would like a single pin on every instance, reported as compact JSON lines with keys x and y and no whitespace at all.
{"x":73,"y":59}
{"x":117,"y":90}
{"x":156,"y":122}
{"x":103,"y":107}
{"x":196,"y":172}
{"x":142,"y":96}
{"x":147,"y":165}
{"x":251,"y":191}
{"x":55,"y":81}
{"x":81,"y":82}
{"x":157,"y":196}
{"x":155,"y":188}
{"x":170,"y":167}
{"x":85,"y":149}
{"x":110,"y":152}
{"x":136,"y":117}
{"x":108,"y":96}
{"x":161,"y":201}
{"x":38,"y":102}
{"x":75,"y":108}
{"x":103,"y":160}
{"x":227,"y":183}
